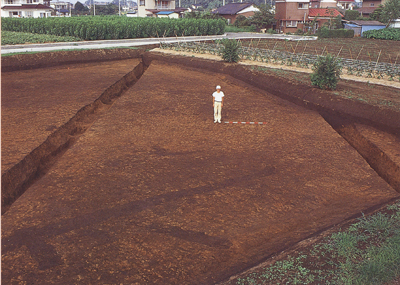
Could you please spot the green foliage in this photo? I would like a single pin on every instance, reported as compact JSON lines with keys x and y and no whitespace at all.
{"x":202,"y":15}
{"x":326,"y":72}
{"x":263,"y":18}
{"x":230,"y":50}
{"x":351,"y":15}
{"x":114,"y":27}
{"x":337,"y":23}
{"x":358,"y":255}
{"x":339,"y":33}
{"x":14,"y":38}
{"x":241,"y":21}
{"x":376,"y":15}
{"x":390,"y":12}
{"x":383,"y":34}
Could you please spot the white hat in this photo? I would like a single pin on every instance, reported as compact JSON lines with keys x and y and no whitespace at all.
{"x":218,"y":87}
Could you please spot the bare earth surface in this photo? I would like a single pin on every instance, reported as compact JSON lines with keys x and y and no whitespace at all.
{"x":156,"y":193}
{"x":36,"y":102}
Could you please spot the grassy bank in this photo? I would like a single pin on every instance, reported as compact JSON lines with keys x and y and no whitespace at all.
{"x":366,"y":252}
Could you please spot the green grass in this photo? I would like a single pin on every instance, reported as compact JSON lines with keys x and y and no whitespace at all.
{"x":365,"y":253}
{"x":14,"y":38}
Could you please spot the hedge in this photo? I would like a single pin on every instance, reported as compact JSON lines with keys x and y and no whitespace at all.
{"x":339,"y":33}
{"x":114,"y":27}
{"x":383,"y":34}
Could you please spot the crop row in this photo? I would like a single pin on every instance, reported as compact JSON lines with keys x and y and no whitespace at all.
{"x":114,"y":27}
{"x":360,"y":68}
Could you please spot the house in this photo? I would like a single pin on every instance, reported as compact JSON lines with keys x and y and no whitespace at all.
{"x":322,"y":15}
{"x":195,"y":7}
{"x":61,"y":8}
{"x":232,"y":10}
{"x":168,"y":14}
{"x":360,"y":27}
{"x":291,"y":15}
{"x":26,"y":8}
{"x":346,"y":4}
{"x":151,"y":8}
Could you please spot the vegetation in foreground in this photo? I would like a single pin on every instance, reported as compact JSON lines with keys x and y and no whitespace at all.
{"x":326,"y":72}
{"x":365,"y":253}
{"x":14,"y":38}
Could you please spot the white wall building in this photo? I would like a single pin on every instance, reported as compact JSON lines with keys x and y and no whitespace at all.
{"x":62,"y":8}
{"x":26,"y":8}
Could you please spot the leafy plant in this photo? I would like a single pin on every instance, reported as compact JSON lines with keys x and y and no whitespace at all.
{"x":230,"y":50}
{"x":326,"y":72}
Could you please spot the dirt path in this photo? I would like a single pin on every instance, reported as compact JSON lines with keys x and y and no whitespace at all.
{"x":155,"y":193}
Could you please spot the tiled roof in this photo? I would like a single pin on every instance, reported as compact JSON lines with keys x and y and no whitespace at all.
{"x":323,"y":12}
{"x":27,"y":7}
{"x":231,"y":8}
{"x":368,"y":23}
{"x":366,"y":10}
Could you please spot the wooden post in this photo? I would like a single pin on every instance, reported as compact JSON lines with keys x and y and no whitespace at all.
{"x":360,"y":52}
{"x":339,"y":51}
{"x":350,"y":54}
{"x":378,"y":59}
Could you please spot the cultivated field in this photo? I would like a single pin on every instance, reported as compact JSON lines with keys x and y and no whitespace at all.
{"x":153,"y":192}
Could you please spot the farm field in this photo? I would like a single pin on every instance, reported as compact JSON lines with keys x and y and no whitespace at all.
{"x":155,"y":192}
{"x":351,"y":48}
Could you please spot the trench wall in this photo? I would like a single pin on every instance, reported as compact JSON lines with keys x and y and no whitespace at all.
{"x":17,"y":179}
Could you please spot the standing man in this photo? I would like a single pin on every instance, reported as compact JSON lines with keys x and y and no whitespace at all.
{"x":218,"y":102}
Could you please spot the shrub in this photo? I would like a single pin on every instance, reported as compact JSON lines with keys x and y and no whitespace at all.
{"x":339,"y":33}
{"x":326,"y":72}
{"x":383,"y":34}
{"x":230,"y":50}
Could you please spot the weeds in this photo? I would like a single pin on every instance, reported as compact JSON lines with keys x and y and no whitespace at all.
{"x":366,"y":253}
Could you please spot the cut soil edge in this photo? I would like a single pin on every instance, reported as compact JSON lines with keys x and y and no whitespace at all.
{"x":35,"y":165}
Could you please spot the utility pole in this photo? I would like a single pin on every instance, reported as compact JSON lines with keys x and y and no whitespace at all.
{"x":119,"y":7}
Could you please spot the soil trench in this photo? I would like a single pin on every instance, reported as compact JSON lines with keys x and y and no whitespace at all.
{"x":32,"y":167}
{"x":163,"y":195}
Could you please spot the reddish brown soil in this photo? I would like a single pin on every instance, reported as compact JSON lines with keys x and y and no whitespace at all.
{"x":156,"y":193}
{"x":37,"y":102}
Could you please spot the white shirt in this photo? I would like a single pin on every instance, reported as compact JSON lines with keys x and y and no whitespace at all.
{"x":218,"y":96}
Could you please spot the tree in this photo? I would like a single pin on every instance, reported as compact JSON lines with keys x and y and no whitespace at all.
{"x":326,"y":72}
{"x":241,"y":21}
{"x":351,"y":15}
{"x":79,"y":6}
{"x":376,"y":15}
{"x":390,"y":12}
{"x":263,"y":18}
{"x":80,"y":9}
{"x":230,"y":50}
